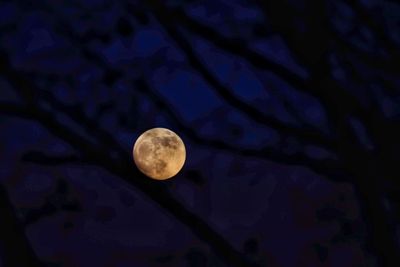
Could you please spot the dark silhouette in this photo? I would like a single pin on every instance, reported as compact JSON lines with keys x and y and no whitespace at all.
{"x":360,"y":136}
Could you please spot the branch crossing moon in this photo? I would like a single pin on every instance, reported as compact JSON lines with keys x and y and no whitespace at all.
{"x":159,"y":153}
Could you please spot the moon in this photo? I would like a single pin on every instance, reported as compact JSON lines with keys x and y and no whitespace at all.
{"x":159,"y":153}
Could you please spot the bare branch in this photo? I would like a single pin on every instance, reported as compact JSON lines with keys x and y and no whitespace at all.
{"x":328,"y":168}
{"x":57,"y":201}
{"x":341,"y":104}
{"x":305,"y":134}
{"x":233,"y":46}
{"x":41,"y":158}
{"x":13,"y":109}
{"x":392,"y":64}
{"x":240,"y":48}
{"x":121,"y":166}
{"x":13,"y":242}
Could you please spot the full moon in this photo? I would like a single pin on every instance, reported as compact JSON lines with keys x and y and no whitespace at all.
{"x":159,"y":153}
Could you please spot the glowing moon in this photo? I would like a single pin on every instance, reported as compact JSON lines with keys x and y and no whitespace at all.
{"x":159,"y":153}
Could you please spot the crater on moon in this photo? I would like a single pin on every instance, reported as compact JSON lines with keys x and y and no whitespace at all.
{"x":159,"y":153}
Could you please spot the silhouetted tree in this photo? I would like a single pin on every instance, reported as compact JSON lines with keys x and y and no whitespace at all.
{"x":349,"y":71}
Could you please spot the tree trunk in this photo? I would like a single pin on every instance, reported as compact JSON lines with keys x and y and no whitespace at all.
{"x":14,"y":246}
{"x":381,"y":238}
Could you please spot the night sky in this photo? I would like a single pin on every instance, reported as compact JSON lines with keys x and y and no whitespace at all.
{"x":289,"y":111}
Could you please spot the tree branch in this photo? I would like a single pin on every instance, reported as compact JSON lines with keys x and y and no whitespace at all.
{"x":41,"y":158}
{"x":122,"y":166}
{"x":305,"y":133}
{"x":57,"y":201}
{"x":328,"y":168}
{"x":378,"y":29}
{"x":14,"y":109}
{"x":341,"y":104}
{"x":231,"y":45}
{"x":239,"y":48}
{"x":14,"y":245}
